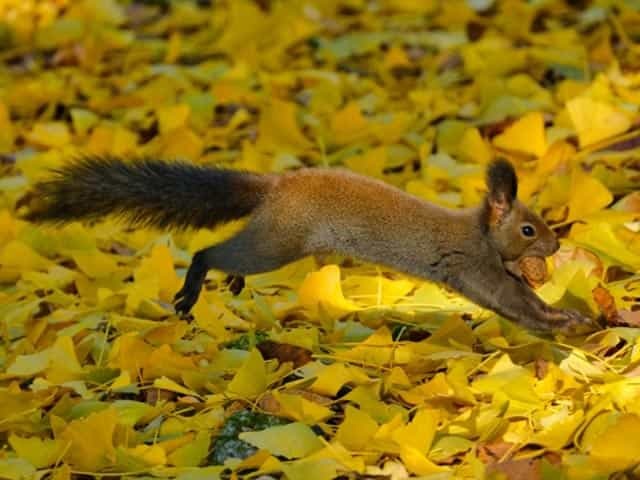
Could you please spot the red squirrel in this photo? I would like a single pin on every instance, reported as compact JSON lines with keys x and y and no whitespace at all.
{"x":312,"y":211}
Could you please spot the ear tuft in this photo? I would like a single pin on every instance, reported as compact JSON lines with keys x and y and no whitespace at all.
{"x":502,"y":180}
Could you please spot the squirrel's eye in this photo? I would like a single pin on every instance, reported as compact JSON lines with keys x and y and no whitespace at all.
{"x":528,"y":231}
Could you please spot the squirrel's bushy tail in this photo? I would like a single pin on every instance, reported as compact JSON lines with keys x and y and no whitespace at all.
{"x":147,"y":193}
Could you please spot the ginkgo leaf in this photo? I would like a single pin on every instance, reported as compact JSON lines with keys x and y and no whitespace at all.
{"x":251,"y":378}
{"x":416,"y":462}
{"x":311,"y":469}
{"x":418,"y":433}
{"x":294,"y":440}
{"x":191,"y":454}
{"x":331,"y":378}
{"x":100,"y":451}
{"x":140,"y":457}
{"x":323,"y":288}
{"x":299,"y":408}
{"x":356,"y":430}
{"x":596,"y":120}
{"x":472,"y":147}
{"x":39,"y":452}
{"x":279,"y":128}
{"x":557,"y":428}
{"x":586,"y":195}
{"x":53,"y":134}
{"x":349,"y":125}
{"x":612,"y":448}
{"x":526,"y":135}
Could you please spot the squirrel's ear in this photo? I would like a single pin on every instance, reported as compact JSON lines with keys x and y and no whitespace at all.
{"x":503,"y":189}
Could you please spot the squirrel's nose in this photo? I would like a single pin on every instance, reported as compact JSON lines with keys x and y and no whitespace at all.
{"x":556,"y":245}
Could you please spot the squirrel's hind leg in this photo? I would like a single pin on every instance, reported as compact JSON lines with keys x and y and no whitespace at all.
{"x":252,"y":250}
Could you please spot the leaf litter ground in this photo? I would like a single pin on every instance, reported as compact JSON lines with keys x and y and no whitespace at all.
{"x":328,"y":366}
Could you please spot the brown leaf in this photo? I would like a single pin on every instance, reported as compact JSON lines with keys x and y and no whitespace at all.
{"x":523,"y":469}
{"x":606,"y":304}
{"x":285,"y":352}
{"x":629,"y":318}
{"x":156,"y":395}
{"x":269,"y":404}
{"x":490,"y":453}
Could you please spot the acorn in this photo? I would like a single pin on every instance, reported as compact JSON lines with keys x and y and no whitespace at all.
{"x":534,"y":270}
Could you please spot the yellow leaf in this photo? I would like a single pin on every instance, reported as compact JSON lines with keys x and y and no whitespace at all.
{"x":294,"y":440}
{"x":311,"y":469}
{"x":51,"y":134}
{"x":16,"y":469}
{"x":173,"y":47}
{"x":171,"y":117}
{"x":8,"y":227}
{"x":379,"y":349}
{"x":95,"y":264}
{"x":251,"y":378}
{"x":419,"y":433}
{"x":192,"y":454}
{"x":59,"y":362}
{"x":371,"y":162}
{"x":97,"y":453}
{"x":112,"y":139}
{"x":122,"y":380}
{"x":29,"y":365}
{"x":349,"y":125}
{"x":39,"y":452}
{"x":6,"y":129}
{"x":16,"y":254}
{"x":473,"y":148}
{"x":416,"y":462}
{"x":130,"y":354}
{"x":616,"y":447}
{"x":526,"y":135}
{"x":167,"y":333}
{"x":245,"y":24}
{"x":165,"y":361}
{"x":181,"y":142}
{"x":299,"y":408}
{"x":332,"y":378}
{"x":83,"y":120}
{"x":356,"y":430}
{"x":396,"y":57}
{"x":63,"y":362}
{"x":63,"y":472}
{"x":376,"y":290}
{"x":603,"y":239}
{"x":586,"y":195}
{"x":165,"y":383}
{"x":596,"y":120}
{"x":158,"y":269}
{"x":557,"y":428}
{"x":323,"y":288}
{"x":279,"y":130}
{"x":151,"y":455}
{"x":391,"y":128}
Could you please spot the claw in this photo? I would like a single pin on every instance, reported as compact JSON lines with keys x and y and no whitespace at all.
{"x":576,"y":323}
{"x":184,"y":302}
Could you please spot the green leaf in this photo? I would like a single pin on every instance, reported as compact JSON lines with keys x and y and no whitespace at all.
{"x":294,"y":440}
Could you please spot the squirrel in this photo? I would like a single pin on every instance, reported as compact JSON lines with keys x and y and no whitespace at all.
{"x":315,"y":211}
